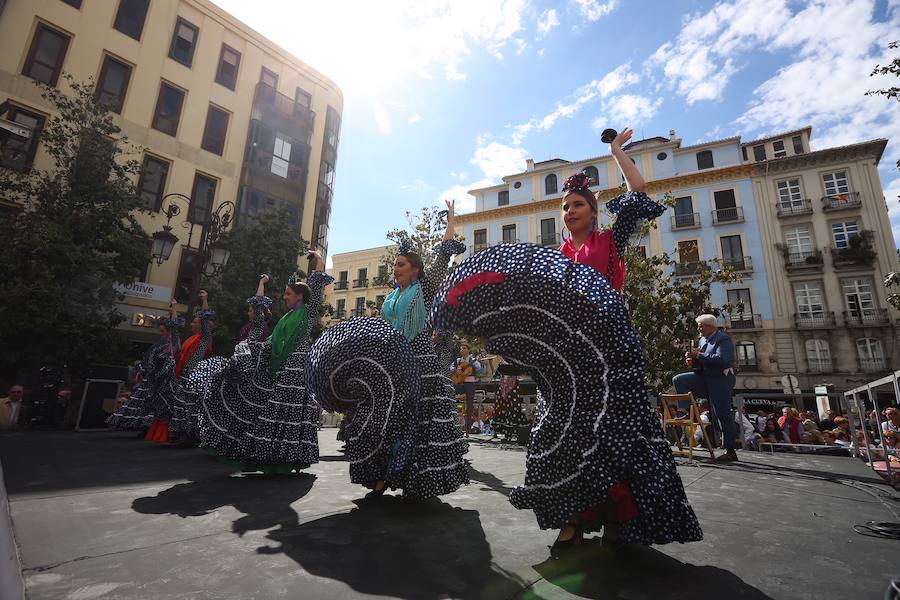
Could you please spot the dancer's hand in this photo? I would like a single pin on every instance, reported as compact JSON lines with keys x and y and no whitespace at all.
{"x":451,"y":221}
{"x":621,"y":139}
{"x":264,"y":279}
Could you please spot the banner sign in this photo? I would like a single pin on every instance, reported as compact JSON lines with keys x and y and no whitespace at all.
{"x":145,"y":291}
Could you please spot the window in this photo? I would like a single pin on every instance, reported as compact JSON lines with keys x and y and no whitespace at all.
{"x":343,"y":276}
{"x":270,"y":78}
{"x":113,"y":83}
{"x":382,"y":274}
{"x":778,"y":147}
{"x":739,"y":299}
{"x":662,"y":156}
{"x":281,"y":156}
{"x":73,"y":3}
{"x":480,"y":237}
{"x":593,"y":175}
{"x":726,"y":206}
{"x":759,"y":152}
{"x":302,"y":101}
{"x":744,"y":152}
{"x":859,"y":299}
{"x":360,"y":309}
{"x":818,"y":355}
{"x":229,"y":62}
{"x":188,"y":270}
{"x":202,"y":197}
{"x":362,"y":278}
{"x":379,"y":301}
{"x":798,"y":241}
{"x":688,"y":251}
{"x":215,"y":130}
{"x":17,"y":153}
{"x":503,"y":198}
{"x":798,"y":144}
{"x":684,"y":212}
{"x":745,"y":352}
{"x":168,"y":109}
{"x":130,"y":17}
{"x":810,"y":303}
{"x":551,"y":184}
{"x":362,"y":273}
{"x":548,"y":232}
{"x":341,"y":308}
{"x":705,"y":159}
{"x":871,"y":354}
{"x":509,"y":234}
{"x":732,"y":249}
{"x":184,"y":41}
{"x":152,"y":183}
{"x":836,"y":183}
{"x":843,"y":232}
{"x":790,"y":198}
{"x":46,"y":55}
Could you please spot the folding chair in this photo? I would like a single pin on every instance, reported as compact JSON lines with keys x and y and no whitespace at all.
{"x":684,"y":424}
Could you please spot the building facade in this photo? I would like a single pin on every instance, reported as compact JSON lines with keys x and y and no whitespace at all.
{"x":221,"y":114}
{"x":811,"y":311}
{"x":361,"y":283}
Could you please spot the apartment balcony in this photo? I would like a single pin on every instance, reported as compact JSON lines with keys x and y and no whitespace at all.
{"x":273,"y":107}
{"x":873,"y":317}
{"x":478,"y":247}
{"x":341,"y":314}
{"x":873,"y":365}
{"x":747,"y":366}
{"x":266,"y":164}
{"x":742,"y":264}
{"x":841,"y":201}
{"x":508,"y":241}
{"x":360,"y":283}
{"x":358,"y":312}
{"x":341,"y":284}
{"x":551,"y":240}
{"x":688,"y":269}
{"x":381,"y":280}
{"x":722,"y":216}
{"x":794,"y":208}
{"x":816,"y":320}
{"x":743,"y":322}
{"x":802,"y":260}
{"x":858,"y":254}
{"x":686,"y":221}
{"x":819,"y":365}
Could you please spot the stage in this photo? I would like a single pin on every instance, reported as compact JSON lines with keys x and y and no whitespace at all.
{"x":104,"y":515}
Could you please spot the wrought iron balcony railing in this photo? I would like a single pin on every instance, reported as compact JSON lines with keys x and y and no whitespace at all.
{"x":685,"y":220}
{"x":814,"y":320}
{"x":735,"y":214}
{"x":871,"y":317}
{"x":841,"y":201}
{"x":794,"y":207}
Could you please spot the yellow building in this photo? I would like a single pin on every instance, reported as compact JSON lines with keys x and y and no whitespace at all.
{"x":361,"y":281}
{"x":222,"y":114}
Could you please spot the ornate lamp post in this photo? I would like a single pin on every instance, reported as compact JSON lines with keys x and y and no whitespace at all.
{"x":212,"y":253}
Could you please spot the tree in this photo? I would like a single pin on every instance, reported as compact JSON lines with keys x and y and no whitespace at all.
{"x":268,"y":244}
{"x":663,"y":307}
{"x":426,"y":230}
{"x":75,"y":238}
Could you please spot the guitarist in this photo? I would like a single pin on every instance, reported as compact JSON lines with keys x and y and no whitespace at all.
{"x":464,"y":370}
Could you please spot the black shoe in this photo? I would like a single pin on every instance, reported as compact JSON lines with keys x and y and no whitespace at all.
{"x":375,"y":494}
{"x":561,"y":547}
{"x":729,"y":456}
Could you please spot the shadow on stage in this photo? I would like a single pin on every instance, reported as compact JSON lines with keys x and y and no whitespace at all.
{"x":595,"y":571}
{"x":399,"y":548}
{"x":264,"y":500}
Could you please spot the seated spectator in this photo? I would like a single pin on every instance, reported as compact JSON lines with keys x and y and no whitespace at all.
{"x":751,"y":437}
{"x":826,"y":422}
{"x":843,"y":424}
{"x":773,"y":433}
{"x":842,"y":437}
{"x":790,"y":424}
{"x":810,"y":427}
{"x":829,"y":438}
{"x":760,"y":421}
{"x":12,"y":408}
{"x":893,"y":420}
{"x":812,"y":416}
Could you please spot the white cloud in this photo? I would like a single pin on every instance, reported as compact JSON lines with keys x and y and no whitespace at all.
{"x":628,"y":110}
{"x":594,"y":10}
{"x":496,"y":160}
{"x":548,"y":21}
{"x":465,"y":203}
{"x":541,"y":52}
{"x":416,"y":185}
{"x":520,"y":46}
{"x":461,"y":175}
{"x":616,"y":79}
{"x":382,"y":120}
{"x":414,"y":118}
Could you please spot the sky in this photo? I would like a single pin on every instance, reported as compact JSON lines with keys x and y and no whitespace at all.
{"x":442,"y":96}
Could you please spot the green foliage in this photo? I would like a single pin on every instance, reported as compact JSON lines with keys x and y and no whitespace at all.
{"x":893,"y":68}
{"x":268,"y":244}
{"x":426,"y":230}
{"x":74,"y":239}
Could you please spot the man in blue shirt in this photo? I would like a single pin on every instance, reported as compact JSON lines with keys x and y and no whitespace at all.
{"x":712,"y":378}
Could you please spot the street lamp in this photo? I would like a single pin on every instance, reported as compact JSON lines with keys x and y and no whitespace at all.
{"x":212,"y":253}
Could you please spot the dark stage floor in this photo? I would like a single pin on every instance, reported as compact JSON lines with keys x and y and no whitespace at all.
{"x":104,"y":515}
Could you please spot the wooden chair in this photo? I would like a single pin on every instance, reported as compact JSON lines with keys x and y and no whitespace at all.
{"x":684,"y":424}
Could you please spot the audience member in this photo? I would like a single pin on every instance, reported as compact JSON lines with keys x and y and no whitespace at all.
{"x":12,"y":408}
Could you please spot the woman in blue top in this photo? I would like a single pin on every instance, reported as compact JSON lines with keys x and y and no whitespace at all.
{"x":402,"y":431}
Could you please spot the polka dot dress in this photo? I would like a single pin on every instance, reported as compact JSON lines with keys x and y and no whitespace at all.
{"x":570,"y":330}
{"x":183,"y":393}
{"x":508,"y":415}
{"x":254,"y":417}
{"x":157,"y":368}
{"x":422,"y":455}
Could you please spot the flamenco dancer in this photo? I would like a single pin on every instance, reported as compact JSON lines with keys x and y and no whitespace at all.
{"x":153,"y":373}
{"x":597,"y":457}
{"x":176,"y":412}
{"x":256,"y":410}
{"x":388,"y":378}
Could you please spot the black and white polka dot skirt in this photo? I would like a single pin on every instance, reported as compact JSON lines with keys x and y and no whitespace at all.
{"x":570,"y":330}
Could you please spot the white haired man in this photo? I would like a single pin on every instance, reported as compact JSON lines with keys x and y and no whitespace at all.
{"x":712,"y":378}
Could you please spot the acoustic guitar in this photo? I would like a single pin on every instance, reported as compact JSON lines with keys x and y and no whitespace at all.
{"x":465,"y":369}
